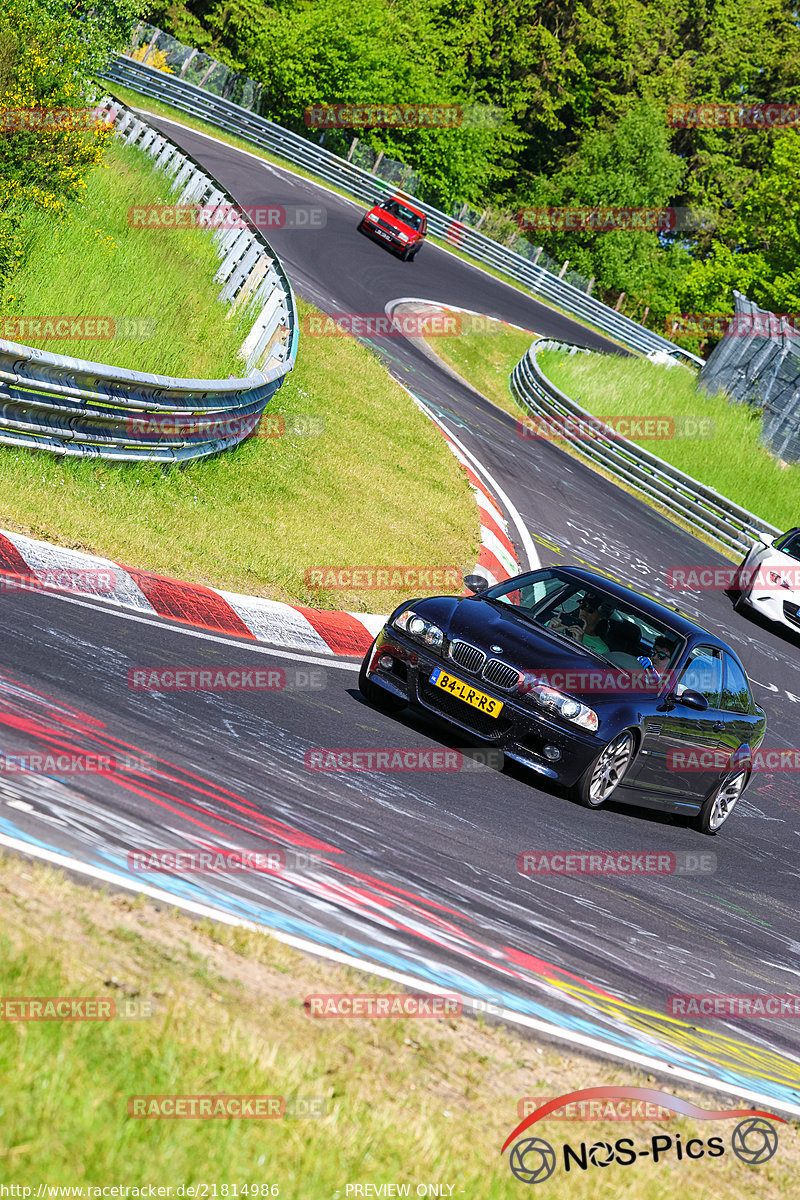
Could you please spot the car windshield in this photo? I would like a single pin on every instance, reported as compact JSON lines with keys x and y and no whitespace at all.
{"x":587,"y":615}
{"x":791,"y":546}
{"x":406,"y":215}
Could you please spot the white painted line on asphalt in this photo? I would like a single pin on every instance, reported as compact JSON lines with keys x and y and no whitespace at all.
{"x":581,"y":1041}
{"x":190,"y":631}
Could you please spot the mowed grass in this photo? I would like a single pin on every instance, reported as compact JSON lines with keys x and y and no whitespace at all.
{"x":152,"y":287}
{"x":486,"y":357}
{"x":377,"y":487}
{"x":406,"y":1102}
{"x":729,"y":459}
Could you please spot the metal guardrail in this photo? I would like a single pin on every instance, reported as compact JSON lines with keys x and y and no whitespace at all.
{"x":361,"y":184}
{"x":698,"y":505}
{"x":74,"y":407}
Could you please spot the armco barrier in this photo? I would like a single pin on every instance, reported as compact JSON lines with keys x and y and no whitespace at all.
{"x":698,"y":505}
{"x":364,"y":186}
{"x":72,"y":407}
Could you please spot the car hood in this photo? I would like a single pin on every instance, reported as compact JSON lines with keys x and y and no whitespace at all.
{"x":524,"y":646}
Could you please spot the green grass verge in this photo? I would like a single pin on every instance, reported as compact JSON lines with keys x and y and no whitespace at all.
{"x":727,"y":457}
{"x":378,"y":486}
{"x":94,"y":263}
{"x":406,"y":1101}
{"x":486,"y":359}
{"x":257,"y":517}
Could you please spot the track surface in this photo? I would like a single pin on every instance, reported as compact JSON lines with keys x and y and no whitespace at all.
{"x":418,"y":872}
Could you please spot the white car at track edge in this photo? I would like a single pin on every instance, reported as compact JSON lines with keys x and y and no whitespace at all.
{"x":768,"y":581}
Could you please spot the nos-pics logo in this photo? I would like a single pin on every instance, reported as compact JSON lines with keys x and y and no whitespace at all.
{"x":533,"y":1159}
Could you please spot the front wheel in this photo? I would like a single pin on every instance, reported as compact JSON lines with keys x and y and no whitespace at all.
{"x":376,"y":695}
{"x":721,"y":803}
{"x":605,"y":774}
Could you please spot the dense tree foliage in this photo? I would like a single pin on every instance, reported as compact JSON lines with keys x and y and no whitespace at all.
{"x":585,"y":89}
{"x":49,"y":51}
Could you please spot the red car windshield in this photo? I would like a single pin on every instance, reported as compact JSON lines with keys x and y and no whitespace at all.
{"x":407,"y":215}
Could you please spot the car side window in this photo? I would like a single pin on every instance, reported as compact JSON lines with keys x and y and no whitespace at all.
{"x":736,"y":691}
{"x":703,"y":674}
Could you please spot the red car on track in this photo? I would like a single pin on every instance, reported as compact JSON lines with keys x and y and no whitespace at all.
{"x":396,"y":224}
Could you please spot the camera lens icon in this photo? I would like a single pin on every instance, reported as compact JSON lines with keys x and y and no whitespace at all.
{"x":754,"y":1141}
{"x":532,"y":1160}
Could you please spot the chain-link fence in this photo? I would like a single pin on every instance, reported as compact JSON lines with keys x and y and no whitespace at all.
{"x":157,"y":49}
{"x":757,"y":362}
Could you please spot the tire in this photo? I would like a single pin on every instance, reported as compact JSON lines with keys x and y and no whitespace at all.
{"x":721,"y":803}
{"x":740,"y":604}
{"x":604,"y":775}
{"x":374,"y":694}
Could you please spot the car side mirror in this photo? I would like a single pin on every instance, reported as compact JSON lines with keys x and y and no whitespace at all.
{"x":692,"y":700}
{"x":476,"y":583}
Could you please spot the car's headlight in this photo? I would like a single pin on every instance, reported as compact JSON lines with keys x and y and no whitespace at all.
{"x":775,"y":577}
{"x":567,"y":707}
{"x":417,"y":627}
{"x":403,"y":237}
{"x":371,"y":217}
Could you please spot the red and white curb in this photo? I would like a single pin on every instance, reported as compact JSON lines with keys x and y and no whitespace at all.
{"x":25,"y":563}
{"x":29,"y":564}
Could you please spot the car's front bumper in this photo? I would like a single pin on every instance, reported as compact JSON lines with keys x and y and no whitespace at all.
{"x":521,"y":731}
{"x":776,"y":604}
{"x":385,"y":237}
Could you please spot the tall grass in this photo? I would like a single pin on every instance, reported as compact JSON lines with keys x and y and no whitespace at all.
{"x":95,"y":263}
{"x":409,"y":1102}
{"x":728,"y":457}
{"x":378,"y":486}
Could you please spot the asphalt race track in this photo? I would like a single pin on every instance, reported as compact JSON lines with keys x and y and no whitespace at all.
{"x":418,"y":872}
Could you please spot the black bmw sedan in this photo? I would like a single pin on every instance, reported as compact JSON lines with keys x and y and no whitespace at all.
{"x":585,"y":681}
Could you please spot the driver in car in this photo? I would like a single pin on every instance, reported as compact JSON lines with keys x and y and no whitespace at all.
{"x":591,"y":617}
